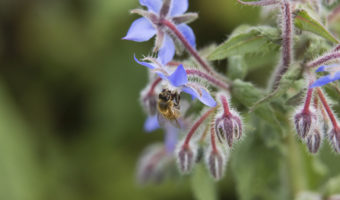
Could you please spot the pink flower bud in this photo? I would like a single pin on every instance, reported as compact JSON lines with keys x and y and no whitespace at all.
{"x":153,"y":164}
{"x":185,"y":158}
{"x":228,"y":127}
{"x":305,"y":122}
{"x":216,"y":162}
{"x":313,"y":141}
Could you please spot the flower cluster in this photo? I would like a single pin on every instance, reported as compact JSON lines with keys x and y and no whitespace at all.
{"x":308,"y":121}
{"x":151,"y":24}
{"x":168,"y":81}
{"x":307,"y":124}
{"x":190,"y":101}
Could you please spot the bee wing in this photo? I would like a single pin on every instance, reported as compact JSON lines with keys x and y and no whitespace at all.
{"x":175,"y":123}
{"x":162,"y":121}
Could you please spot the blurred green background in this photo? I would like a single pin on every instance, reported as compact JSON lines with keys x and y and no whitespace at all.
{"x":71,"y":126}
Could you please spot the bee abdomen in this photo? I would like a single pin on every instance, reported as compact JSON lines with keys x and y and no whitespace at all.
{"x":163,"y":106}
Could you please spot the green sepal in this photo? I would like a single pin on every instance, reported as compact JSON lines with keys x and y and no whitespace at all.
{"x":304,"y":21}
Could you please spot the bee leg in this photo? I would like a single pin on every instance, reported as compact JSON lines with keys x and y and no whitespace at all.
{"x":176,"y":97}
{"x":175,"y":115}
{"x":177,"y":124}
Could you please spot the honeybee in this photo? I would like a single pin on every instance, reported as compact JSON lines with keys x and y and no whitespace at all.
{"x":168,"y":106}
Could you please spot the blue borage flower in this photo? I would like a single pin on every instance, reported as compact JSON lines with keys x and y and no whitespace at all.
{"x":151,"y":124}
{"x":171,"y":132}
{"x":171,"y":138}
{"x":150,"y":24}
{"x":179,"y":80}
{"x":334,"y":75}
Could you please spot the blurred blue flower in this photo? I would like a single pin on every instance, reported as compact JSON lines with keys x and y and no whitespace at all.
{"x":171,"y":138}
{"x":171,"y":132}
{"x":179,"y":79}
{"x":334,"y":75}
{"x":151,"y":124}
{"x":150,"y":24}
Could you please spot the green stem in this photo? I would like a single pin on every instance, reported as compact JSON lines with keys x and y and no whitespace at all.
{"x":295,"y":169}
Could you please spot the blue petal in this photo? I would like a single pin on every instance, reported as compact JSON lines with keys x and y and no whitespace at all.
{"x":179,"y":77}
{"x":190,"y":91}
{"x":207,"y":99}
{"x":324,"y":67}
{"x":167,"y":51}
{"x":321,"y":69}
{"x":141,"y":30}
{"x":171,"y":138}
{"x":152,"y":5}
{"x":151,"y":124}
{"x":178,"y":7}
{"x":188,"y":34}
{"x":161,"y":75}
{"x":148,"y":65}
{"x":326,"y":79}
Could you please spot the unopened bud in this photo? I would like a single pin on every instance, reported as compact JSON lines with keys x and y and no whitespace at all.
{"x":149,"y":101}
{"x":334,"y":136}
{"x":152,"y":164}
{"x":314,"y":140}
{"x":304,"y":122}
{"x":216,"y":162}
{"x":186,"y":157}
{"x":228,"y":127}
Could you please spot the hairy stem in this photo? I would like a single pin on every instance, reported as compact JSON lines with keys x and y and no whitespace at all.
{"x":196,"y":125}
{"x":336,"y":48}
{"x":187,"y":45}
{"x":308,"y":100}
{"x":287,"y":35}
{"x":213,"y":141}
{"x":259,"y":3}
{"x":328,"y":109}
{"x":153,"y":86}
{"x":225,"y":105}
{"x":323,"y":59}
{"x":209,"y":78}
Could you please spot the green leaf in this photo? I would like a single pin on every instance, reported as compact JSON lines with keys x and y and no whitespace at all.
{"x":264,"y":60}
{"x":304,"y":21}
{"x":21,"y":175}
{"x":203,"y":186}
{"x":287,"y":81}
{"x":316,"y":45}
{"x":255,"y":177}
{"x":248,"y":40}
{"x":247,"y":95}
{"x":237,"y":67}
{"x":332,"y":186}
